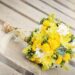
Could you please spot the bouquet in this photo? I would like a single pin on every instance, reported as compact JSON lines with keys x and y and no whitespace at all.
{"x":50,"y":45}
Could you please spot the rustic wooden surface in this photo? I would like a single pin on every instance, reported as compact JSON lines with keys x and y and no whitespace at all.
{"x":27,"y":14}
{"x":6,"y":70}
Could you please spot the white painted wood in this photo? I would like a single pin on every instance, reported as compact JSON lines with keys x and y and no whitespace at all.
{"x":25,"y":9}
{"x":12,"y":52}
{"x":15,"y":19}
{"x":60,"y":7}
{"x":34,"y":14}
{"x":6,"y":70}
{"x":70,"y":71}
{"x":68,"y":4}
{"x":49,"y":10}
{"x":72,"y":1}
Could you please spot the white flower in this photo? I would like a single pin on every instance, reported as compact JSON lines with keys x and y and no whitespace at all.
{"x":38,"y":53}
{"x":73,"y":44}
{"x":63,"y":29}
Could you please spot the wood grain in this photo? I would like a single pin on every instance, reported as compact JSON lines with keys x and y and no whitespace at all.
{"x":16,"y":19}
{"x":67,"y":3}
{"x":6,"y":70}
{"x":47,"y":9}
{"x":60,"y":8}
{"x":27,"y":14}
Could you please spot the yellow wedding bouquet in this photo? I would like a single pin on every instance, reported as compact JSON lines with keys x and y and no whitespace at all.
{"x":51,"y":44}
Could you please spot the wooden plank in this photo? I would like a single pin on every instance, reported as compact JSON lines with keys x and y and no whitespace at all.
{"x":16,"y":19}
{"x":67,"y":3}
{"x":71,"y":71}
{"x":60,"y":8}
{"x":71,"y":1}
{"x":6,"y":70}
{"x":46,"y":9}
{"x":25,"y":9}
{"x":12,"y":55}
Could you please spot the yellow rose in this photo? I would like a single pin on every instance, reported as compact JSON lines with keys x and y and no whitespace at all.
{"x":54,"y":41}
{"x":67,"y":45}
{"x":33,"y":47}
{"x":46,"y":62}
{"x":36,"y":43}
{"x":67,"y":57}
{"x":59,"y":60}
{"x":46,"y":23}
{"x":45,"y":47}
{"x":65,"y":39}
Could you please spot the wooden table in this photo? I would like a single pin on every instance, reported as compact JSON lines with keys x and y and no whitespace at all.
{"x":6,"y":70}
{"x":27,"y":14}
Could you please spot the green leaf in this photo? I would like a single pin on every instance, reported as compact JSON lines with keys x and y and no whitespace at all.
{"x":72,"y":38}
{"x":69,"y":51}
{"x":29,"y":38}
{"x":45,"y":39}
{"x":30,"y":53}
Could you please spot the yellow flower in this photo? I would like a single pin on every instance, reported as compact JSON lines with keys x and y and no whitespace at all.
{"x":46,"y":59}
{"x":43,"y":27}
{"x":52,"y":30}
{"x":54,"y":35}
{"x":59,"y":60}
{"x":65,"y":39}
{"x":33,"y":47}
{"x":48,"y":40}
{"x":33,"y":39}
{"x":36,"y":43}
{"x":35,"y":59}
{"x":51,"y":17}
{"x":46,"y":23}
{"x":46,"y":62}
{"x":45,"y":47}
{"x":25,"y":50}
{"x":54,"y":44}
{"x":54,"y":41}
{"x":67,"y":45}
{"x":41,"y":34}
{"x":51,"y":52}
{"x":43,"y":30}
{"x":53,"y":26}
{"x":66,"y":57}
